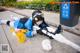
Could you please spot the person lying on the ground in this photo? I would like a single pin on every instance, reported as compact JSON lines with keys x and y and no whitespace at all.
{"x":19,"y":24}
{"x":43,"y":28}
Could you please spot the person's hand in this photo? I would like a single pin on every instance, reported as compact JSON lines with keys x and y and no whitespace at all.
{"x":34,"y":32}
{"x":36,"y":27}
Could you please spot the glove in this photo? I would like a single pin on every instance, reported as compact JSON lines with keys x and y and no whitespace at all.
{"x":35,"y":27}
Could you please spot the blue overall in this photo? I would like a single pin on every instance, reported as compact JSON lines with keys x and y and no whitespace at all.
{"x":27,"y":25}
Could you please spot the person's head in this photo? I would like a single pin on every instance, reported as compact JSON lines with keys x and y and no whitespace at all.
{"x":37,"y":17}
{"x":36,"y":12}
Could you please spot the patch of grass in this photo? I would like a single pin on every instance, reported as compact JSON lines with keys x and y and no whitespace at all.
{"x":35,"y":4}
{"x":21,"y":4}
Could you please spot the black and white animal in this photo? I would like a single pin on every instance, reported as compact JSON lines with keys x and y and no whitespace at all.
{"x":42,"y":27}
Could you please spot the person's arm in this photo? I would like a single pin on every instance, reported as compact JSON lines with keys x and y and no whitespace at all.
{"x":48,"y":31}
{"x":35,"y":28}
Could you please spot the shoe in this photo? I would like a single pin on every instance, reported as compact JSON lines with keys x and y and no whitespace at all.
{"x":58,"y":30}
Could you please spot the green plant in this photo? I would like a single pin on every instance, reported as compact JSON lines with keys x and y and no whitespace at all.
{"x":56,"y":7}
{"x":48,"y":7}
{"x":21,"y":4}
{"x":10,"y":4}
{"x":6,"y":2}
{"x":35,"y":4}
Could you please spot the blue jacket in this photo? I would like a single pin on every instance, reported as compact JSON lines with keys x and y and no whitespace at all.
{"x":27,"y":25}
